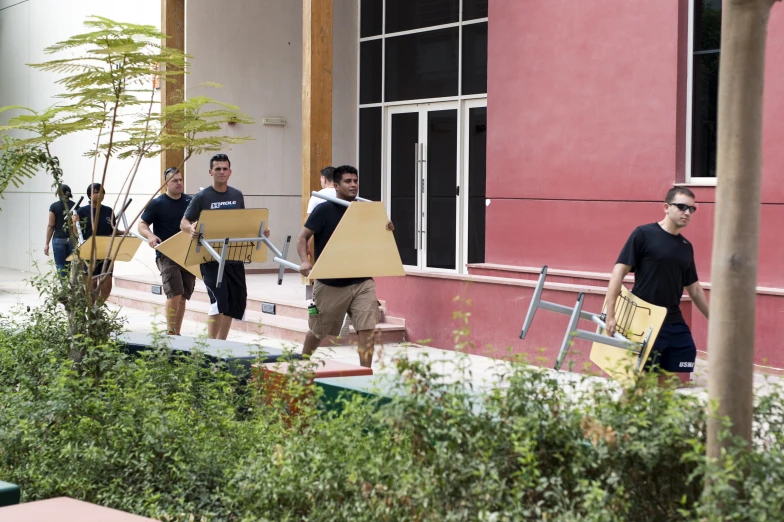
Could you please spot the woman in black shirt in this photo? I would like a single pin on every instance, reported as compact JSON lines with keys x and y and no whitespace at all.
{"x":57,"y":231}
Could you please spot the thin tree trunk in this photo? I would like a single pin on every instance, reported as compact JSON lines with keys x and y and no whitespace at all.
{"x":736,"y":234}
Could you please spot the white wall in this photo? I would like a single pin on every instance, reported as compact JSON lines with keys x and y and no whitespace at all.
{"x":26,"y":28}
{"x":345,"y":47}
{"x":254,"y":49}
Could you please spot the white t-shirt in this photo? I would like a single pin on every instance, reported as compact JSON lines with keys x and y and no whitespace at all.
{"x":314,"y":201}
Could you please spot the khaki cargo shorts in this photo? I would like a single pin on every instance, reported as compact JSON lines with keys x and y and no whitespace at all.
{"x":334,"y":302}
{"x":176,"y":280}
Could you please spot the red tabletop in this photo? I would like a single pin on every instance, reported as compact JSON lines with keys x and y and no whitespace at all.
{"x":64,"y":509}
{"x":319,"y":369}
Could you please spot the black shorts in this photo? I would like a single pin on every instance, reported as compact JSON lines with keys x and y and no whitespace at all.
{"x":674,"y":350}
{"x":231,"y":297}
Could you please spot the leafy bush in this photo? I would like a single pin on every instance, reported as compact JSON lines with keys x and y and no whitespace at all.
{"x":175,"y":438}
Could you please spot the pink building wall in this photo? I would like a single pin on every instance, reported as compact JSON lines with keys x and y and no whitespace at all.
{"x":586,"y":132}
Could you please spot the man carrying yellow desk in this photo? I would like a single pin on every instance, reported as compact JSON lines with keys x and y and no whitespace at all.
{"x":663,"y":264}
{"x":228,"y":301}
{"x":334,"y":298}
{"x":165,"y":213}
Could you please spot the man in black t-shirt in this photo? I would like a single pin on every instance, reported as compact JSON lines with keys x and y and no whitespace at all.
{"x":333,"y":298}
{"x":104,"y":220}
{"x":663,"y":264}
{"x":57,"y":230}
{"x":227,"y":302}
{"x":165,"y":213}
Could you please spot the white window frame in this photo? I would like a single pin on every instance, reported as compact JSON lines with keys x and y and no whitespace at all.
{"x":465,"y":188}
{"x":696,"y":181}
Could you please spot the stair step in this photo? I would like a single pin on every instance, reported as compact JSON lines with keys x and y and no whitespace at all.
{"x":284,"y":306}
{"x":271,"y":326}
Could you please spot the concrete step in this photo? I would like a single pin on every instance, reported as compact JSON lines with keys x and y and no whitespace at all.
{"x":285,"y":305}
{"x":267,"y":325}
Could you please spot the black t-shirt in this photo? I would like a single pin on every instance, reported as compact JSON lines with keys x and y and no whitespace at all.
{"x":60,"y":224}
{"x":165,"y":214}
{"x":663,"y":264}
{"x":210,"y":199}
{"x":323,"y":221}
{"x":105,"y":221}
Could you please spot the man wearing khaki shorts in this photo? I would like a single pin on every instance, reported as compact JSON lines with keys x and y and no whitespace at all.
{"x":164,"y":213}
{"x":334,"y":298}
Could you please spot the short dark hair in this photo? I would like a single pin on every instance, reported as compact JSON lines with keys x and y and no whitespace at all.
{"x":92,"y":188}
{"x":343,"y":169}
{"x":328,"y":173}
{"x":171,"y":171}
{"x":219,"y":157}
{"x":65,"y":190}
{"x":674,"y":191}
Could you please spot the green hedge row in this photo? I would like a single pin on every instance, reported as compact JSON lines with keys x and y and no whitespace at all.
{"x":177,"y":439}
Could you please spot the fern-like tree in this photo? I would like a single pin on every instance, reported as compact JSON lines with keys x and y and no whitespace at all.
{"x":109,"y":77}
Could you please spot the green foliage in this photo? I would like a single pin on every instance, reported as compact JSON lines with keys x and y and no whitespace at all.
{"x":175,"y":437}
{"x":18,"y":163}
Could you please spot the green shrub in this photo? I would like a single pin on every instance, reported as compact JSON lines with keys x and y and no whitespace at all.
{"x":175,"y":437}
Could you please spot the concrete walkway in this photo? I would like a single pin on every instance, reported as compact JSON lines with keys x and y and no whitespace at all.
{"x":482,"y":371}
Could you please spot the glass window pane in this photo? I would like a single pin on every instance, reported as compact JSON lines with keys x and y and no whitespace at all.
{"x":422,"y":65}
{"x":370,"y":72}
{"x":473,"y":9}
{"x":404,"y":15}
{"x":704,"y":115}
{"x":707,"y":24}
{"x":477,"y":183}
{"x":475,"y":58}
{"x":442,"y":189}
{"x":404,"y":181}
{"x":370,"y":153}
{"x":371,"y":13}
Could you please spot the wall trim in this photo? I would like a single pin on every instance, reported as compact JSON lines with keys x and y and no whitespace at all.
{"x":599,"y":276}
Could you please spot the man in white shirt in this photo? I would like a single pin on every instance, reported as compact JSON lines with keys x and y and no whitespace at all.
{"x":327,"y":188}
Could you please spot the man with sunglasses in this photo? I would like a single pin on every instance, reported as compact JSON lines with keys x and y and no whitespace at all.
{"x":227,"y":302}
{"x":164,"y":213}
{"x":663,"y":264}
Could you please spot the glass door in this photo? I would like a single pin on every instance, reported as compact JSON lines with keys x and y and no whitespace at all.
{"x":422,"y":182}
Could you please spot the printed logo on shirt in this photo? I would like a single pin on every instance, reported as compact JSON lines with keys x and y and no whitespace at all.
{"x":687,"y":365}
{"x":219,"y":204}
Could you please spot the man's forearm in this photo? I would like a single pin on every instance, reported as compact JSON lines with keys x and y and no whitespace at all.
{"x":144,"y":230}
{"x":700,"y":300}
{"x":302,"y":248}
{"x":614,"y":289}
{"x":185,"y":226}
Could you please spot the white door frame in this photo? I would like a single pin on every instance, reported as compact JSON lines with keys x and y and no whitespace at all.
{"x":423,"y":109}
{"x":464,"y":180}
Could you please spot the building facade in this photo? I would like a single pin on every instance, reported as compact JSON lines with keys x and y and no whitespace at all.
{"x":502,"y":135}
{"x":594,"y":110}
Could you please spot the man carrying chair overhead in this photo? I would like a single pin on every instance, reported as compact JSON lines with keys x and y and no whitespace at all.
{"x":333,"y":298}
{"x":164,"y":213}
{"x":663,"y":264}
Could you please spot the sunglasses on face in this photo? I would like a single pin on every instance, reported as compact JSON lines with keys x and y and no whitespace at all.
{"x":683,"y":207}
